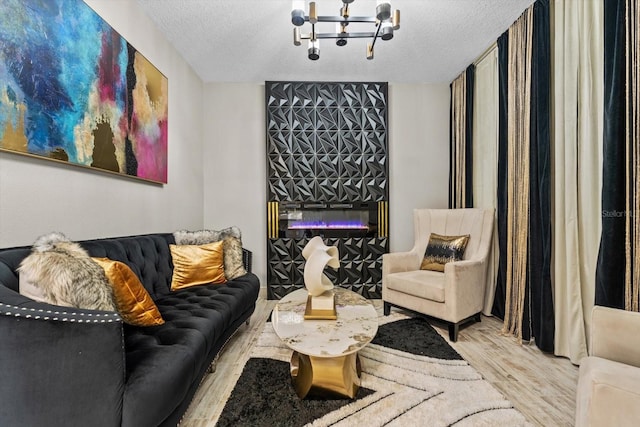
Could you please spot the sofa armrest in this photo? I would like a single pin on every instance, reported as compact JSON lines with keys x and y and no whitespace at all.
{"x":607,"y":394}
{"x":247,"y":259}
{"x":60,"y":365}
{"x":613,"y":333}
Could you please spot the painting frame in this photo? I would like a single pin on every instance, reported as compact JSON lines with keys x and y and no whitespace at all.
{"x":74,"y":91}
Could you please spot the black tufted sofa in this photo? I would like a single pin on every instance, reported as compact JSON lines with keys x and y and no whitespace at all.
{"x":61,"y":366}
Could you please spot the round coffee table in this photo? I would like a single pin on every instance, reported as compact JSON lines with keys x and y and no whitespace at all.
{"x":325,"y":359}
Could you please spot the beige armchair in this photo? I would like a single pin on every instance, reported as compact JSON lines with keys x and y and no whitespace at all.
{"x":455,"y":295}
{"x":608,"y":391}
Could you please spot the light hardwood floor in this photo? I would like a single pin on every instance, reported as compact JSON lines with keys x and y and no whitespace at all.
{"x":542,"y":387}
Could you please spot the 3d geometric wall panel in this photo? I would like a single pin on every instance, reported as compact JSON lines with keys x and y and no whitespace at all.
{"x":327,"y":143}
{"x":360,"y":265}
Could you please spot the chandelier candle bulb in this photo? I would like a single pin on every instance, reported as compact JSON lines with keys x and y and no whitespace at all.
{"x":313,"y":15}
{"x":340,"y":30}
{"x":396,"y":19}
{"x":296,"y":37}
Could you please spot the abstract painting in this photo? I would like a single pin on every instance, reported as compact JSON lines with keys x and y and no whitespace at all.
{"x":74,"y":90}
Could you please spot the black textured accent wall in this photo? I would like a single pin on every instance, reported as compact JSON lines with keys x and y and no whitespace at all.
{"x":327,"y":142}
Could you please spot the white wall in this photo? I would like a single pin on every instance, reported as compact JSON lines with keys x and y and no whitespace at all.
{"x":234,"y":155}
{"x":418,"y":155}
{"x":235,"y":164}
{"x":38,"y":196}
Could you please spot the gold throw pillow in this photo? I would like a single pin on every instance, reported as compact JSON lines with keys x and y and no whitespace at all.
{"x":197,"y":265}
{"x":134,"y":302}
{"x":443,"y":249}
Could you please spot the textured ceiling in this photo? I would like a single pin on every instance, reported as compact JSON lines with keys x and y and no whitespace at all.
{"x":251,"y":40}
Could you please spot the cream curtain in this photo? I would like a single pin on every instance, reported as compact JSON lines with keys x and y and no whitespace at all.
{"x":577,"y":103}
{"x":485,"y":156}
{"x":458,"y":179}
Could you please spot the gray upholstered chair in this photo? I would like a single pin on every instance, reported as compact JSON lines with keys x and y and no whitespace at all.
{"x":608,"y":391}
{"x":455,"y":295}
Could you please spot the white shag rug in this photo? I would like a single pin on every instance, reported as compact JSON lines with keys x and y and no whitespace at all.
{"x":410,"y":390}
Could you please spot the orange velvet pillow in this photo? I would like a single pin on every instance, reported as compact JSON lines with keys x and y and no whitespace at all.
{"x":197,"y":265}
{"x":134,"y":302}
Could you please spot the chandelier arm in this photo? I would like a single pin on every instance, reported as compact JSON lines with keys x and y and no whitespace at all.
{"x":358,"y":35}
{"x":375,"y":37}
{"x":356,"y":19}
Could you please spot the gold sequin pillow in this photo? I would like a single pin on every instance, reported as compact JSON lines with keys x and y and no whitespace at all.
{"x":443,"y":249}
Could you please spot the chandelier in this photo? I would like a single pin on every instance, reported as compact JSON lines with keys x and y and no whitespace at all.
{"x":385,"y":20}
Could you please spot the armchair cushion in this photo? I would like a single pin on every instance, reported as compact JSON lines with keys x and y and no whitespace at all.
{"x":424,"y":284}
{"x":443,"y":249}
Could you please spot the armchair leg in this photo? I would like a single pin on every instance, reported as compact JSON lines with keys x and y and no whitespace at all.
{"x":387,"y":308}
{"x":453,"y":332}
{"x":478,"y":318}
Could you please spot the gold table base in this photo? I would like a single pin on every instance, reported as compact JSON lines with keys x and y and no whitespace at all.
{"x":325,"y":377}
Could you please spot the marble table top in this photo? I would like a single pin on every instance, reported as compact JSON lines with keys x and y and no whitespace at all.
{"x":355,"y":327}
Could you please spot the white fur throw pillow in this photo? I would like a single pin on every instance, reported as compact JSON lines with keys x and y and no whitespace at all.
{"x":63,"y":274}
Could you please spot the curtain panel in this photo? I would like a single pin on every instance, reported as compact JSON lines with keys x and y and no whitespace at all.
{"x":632,"y":134}
{"x":524,"y":179}
{"x":485,"y":155}
{"x":461,"y":141}
{"x":618,"y":277}
{"x":577,"y":74}
{"x":501,"y":197}
{"x":518,"y":163}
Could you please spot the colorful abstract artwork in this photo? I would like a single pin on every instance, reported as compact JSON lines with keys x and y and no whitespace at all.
{"x":73,"y":90}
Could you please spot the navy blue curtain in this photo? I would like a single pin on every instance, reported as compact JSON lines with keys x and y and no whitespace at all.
{"x":538,"y":317}
{"x":468,"y":134}
{"x":610,"y":270}
{"x":542,"y":319}
{"x":503,"y":140}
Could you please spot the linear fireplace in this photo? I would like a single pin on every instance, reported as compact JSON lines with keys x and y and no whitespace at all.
{"x":309,"y":219}
{"x":327,"y":175}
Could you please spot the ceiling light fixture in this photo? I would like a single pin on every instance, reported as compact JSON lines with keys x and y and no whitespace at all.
{"x":386,"y":21}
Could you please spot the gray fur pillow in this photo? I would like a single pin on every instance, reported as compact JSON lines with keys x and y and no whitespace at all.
{"x":62,"y":273}
{"x":231,"y":246}
{"x":232,"y":257}
{"x":202,"y":237}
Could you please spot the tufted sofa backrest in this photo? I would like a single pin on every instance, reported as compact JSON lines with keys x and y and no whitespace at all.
{"x":147,"y":255}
